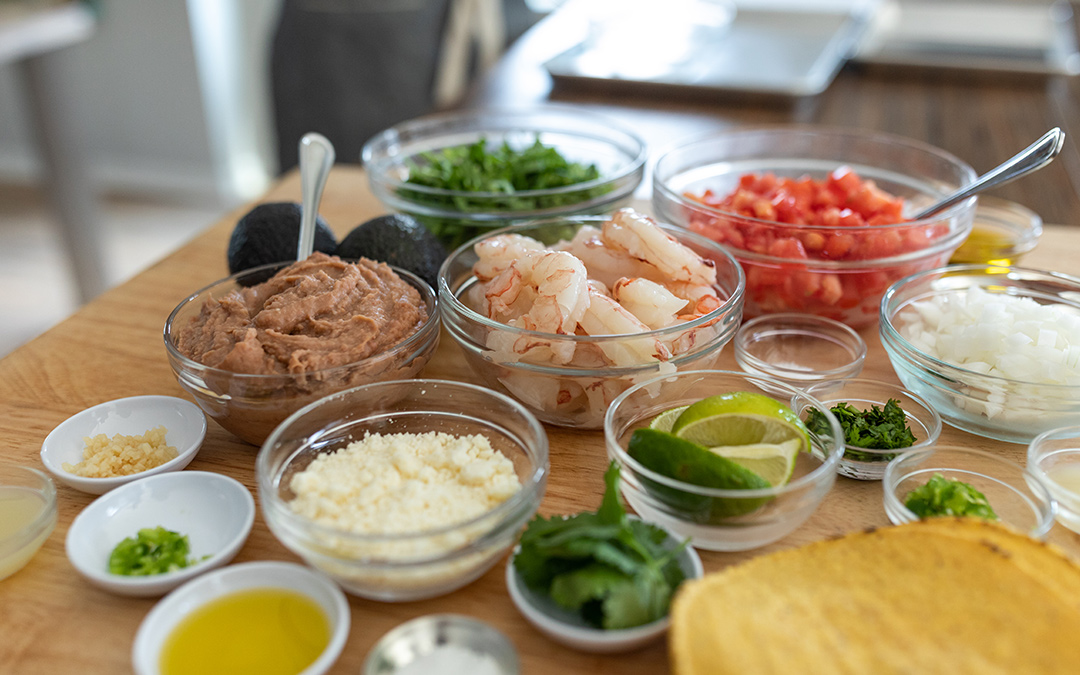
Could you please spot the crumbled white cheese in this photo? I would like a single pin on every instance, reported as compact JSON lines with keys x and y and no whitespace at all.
{"x":404,"y":483}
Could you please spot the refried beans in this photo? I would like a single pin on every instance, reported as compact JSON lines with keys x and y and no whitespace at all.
{"x":318,"y":313}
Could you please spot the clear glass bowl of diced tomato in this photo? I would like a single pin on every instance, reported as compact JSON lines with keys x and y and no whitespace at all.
{"x":816,"y":216}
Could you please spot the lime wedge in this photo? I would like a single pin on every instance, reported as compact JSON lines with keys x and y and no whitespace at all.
{"x":740,"y":418}
{"x":665,"y":420}
{"x":775,"y":462}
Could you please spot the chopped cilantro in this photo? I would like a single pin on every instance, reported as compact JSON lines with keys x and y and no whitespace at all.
{"x":154,"y":551}
{"x":941,"y":496}
{"x":877,"y":429}
{"x":503,"y":171}
{"x":614,"y":571}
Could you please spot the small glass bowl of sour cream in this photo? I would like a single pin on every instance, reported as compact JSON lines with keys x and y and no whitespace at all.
{"x":1054,"y":458}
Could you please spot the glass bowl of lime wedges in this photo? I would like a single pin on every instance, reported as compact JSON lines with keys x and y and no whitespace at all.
{"x":716,"y":456}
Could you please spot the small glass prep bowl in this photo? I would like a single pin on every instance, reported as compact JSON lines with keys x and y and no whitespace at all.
{"x":861,"y":394}
{"x":457,"y":216}
{"x":763,"y":515}
{"x":413,"y":565}
{"x":29,"y":504}
{"x":1054,"y":457}
{"x":846,"y":286}
{"x":1002,"y":233}
{"x":799,"y":349}
{"x":250,"y":406}
{"x":1002,"y":408}
{"x":424,"y":636}
{"x":579,"y":395}
{"x":1017,"y":497}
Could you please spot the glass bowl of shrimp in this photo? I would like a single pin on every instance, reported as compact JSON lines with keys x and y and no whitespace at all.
{"x":564,"y":314}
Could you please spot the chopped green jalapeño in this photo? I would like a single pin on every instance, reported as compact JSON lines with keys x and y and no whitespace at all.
{"x":942,"y":496}
{"x":155,"y":550}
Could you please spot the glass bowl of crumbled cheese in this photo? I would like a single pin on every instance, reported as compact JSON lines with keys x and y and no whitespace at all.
{"x":995,"y":350}
{"x":403,"y":490}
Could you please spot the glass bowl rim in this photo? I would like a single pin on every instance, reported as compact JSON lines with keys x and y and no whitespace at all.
{"x":422,"y":334}
{"x":635,"y":164}
{"x":1043,"y":521}
{"x":450,"y":303}
{"x":891,"y":337}
{"x":827,"y":467}
{"x":854,"y":340}
{"x":531,"y":490}
{"x":805,"y":130}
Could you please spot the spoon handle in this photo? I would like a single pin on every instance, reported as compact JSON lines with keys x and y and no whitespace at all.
{"x":316,"y":158}
{"x":1032,"y":158}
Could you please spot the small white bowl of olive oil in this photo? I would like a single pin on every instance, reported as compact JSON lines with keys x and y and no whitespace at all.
{"x":265,"y":617}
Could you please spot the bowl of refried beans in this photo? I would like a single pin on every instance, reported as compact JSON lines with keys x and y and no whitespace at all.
{"x":403,"y":490}
{"x":257,"y":346}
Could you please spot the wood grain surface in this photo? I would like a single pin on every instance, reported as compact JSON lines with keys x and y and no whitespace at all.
{"x":52,"y":621}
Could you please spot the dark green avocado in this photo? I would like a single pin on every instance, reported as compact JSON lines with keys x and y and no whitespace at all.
{"x":397,"y":240}
{"x":268,"y":233}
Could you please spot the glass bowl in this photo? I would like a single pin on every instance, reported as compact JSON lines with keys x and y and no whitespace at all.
{"x":799,"y":349}
{"x":1018,"y":498}
{"x":971,"y":396}
{"x":837,"y":273}
{"x":718,"y":519}
{"x":579,"y":395}
{"x":457,"y":216}
{"x":861,"y":394}
{"x":29,"y":498}
{"x":1002,"y":233}
{"x":1054,"y":457}
{"x":408,"y":565}
{"x":250,"y":406}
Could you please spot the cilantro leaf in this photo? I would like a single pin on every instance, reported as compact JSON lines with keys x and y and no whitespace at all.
{"x":884,"y":428}
{"x":615,"y":572}
{"x":941,"y":496}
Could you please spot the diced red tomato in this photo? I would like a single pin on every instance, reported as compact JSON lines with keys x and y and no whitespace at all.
{"x":841,"y":214}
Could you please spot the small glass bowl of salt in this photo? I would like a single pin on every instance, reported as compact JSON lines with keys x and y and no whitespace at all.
{"x":447,"y":644}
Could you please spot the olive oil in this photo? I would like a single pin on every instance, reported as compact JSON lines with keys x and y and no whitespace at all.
{"x":269,"y":631}
{"x":985,"y":245}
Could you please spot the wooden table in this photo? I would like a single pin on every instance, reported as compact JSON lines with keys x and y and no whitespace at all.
{"x":52,"y":621}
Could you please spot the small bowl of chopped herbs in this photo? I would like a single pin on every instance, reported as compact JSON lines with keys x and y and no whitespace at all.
{"x":880,"y":420}
{"x":148,"y":537}
{"x":465,"y":173}
{"x":599,"y":581}
{"x":954,"y":481}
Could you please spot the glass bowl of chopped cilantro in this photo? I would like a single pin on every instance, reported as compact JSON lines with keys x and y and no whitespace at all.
{"x":880,"y":420}
{"x":715,"y":456}
{"x":956,"y":481}
{"x":995,"y":350}
{"x":465,"y":173}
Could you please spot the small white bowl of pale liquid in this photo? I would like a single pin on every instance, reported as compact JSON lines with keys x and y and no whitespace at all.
{"x":1054,"y":458}
{"x":27,"y":515}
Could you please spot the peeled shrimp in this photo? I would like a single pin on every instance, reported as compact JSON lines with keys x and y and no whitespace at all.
{"x":605,"y":264}
{"x":497,"y":253}
{"x":650,"y":302}
{"x":701,"y":299}
{"x":640,"y":237}
{"x":604,"y":316}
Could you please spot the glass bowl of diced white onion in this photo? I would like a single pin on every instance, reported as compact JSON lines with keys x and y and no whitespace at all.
{"x":995,"y":350}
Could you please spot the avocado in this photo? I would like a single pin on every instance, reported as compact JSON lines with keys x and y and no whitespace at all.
{"x":398,"y":240}
{"x":269,"y":233}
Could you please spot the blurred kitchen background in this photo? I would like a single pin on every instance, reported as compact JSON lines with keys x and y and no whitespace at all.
{"x":158,"y":117}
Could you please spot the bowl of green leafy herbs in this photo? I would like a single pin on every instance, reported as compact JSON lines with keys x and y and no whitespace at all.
{"x":464,"y":173}
{"x":599,"y":581}
{"x":880,"y":420}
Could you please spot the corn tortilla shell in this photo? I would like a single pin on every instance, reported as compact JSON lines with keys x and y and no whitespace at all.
{"x":943,"y":595}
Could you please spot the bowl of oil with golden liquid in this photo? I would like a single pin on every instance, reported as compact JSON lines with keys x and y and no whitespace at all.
{"x":1002,"y":232}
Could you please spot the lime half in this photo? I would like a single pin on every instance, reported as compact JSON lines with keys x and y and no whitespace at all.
{"x":665,"y":420}
{"x":740,"y":418}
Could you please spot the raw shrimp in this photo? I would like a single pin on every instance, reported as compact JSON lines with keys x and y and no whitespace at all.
{"x":604,"y":316}
{"x":506,"y":297}
{"x":605,"y":264}
{"x":640,"y":237}
{"x":497,"y":253}
{"x":702,"y":299}
{"x":650,"y":302}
